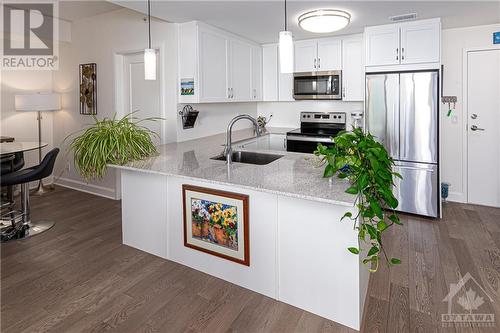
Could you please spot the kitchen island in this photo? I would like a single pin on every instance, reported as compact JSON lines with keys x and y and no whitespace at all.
{"x":298,"y":247}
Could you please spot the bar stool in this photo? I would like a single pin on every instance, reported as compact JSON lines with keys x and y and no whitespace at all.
{"x":22,"y":226}
{"x":10,"y":163}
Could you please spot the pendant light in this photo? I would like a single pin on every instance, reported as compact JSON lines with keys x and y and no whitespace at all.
{"x":149,"y":53}
{"x":286,"y":49}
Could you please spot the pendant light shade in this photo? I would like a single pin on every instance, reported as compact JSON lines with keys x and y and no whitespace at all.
{"x":150,"y":64}
{"x":149,"y":53}
{"x":286,"y":52}
{"x":286,"y":49}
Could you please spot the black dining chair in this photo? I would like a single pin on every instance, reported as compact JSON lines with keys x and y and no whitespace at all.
{"x":21,"y":225}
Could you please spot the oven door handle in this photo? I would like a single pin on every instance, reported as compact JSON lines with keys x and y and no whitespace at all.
{"x":307,"y":138}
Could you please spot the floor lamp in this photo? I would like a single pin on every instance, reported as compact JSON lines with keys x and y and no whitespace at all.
{"x":38,"y":103}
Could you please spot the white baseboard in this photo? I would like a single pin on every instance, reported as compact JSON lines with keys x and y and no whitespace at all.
{"x":456,"y":197}
{"x":87,"y":188}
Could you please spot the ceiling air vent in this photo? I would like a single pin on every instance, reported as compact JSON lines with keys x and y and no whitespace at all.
{"x":403,"y":17}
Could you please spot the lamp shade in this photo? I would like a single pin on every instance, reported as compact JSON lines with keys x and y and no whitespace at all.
{"x":38,"y":102}
{"x":150,"y":64}
{"x":286,"y":52}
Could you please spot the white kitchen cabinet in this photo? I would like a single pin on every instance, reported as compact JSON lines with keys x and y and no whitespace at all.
{"x":257,"y":73}
{"x":276,"y":86}
{"x":353,"y":74}
{"x":407,"y":43}
{"x":420,"y":42}
{"x":270,"y":81}
{"x":222,"y":67}
{"x":240,"y":79}
{"x":318,"y":55}
{"x":305,"y":55}
{"x":329,"y":54}
{"x":382,"y":45}
{"x":213,"y":49}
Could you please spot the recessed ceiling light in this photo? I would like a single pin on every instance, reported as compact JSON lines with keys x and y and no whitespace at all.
{"x":324,"y":20}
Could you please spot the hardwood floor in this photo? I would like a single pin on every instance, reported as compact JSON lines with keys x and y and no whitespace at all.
{"x":77,"y":277}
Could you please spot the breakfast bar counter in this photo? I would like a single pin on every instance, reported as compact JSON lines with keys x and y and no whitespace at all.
{"x":295,"y":246}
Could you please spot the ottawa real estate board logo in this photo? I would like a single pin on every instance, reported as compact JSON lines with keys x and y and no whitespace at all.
{"x":469,"y":305}
{"x":30,"y":31}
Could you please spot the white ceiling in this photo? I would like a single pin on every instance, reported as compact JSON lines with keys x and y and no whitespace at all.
{"x":261,"y":20}
{"x":74,"y":10}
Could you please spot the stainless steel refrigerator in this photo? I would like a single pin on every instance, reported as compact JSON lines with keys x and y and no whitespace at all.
{"x":402,"y":113}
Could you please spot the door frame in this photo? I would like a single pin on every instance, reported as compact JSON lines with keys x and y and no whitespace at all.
{"x":465,"y":114}
{"x":118,"y":62}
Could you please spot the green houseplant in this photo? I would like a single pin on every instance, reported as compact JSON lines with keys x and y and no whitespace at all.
{"x":356,"y":156}
{"x":111,"y":141}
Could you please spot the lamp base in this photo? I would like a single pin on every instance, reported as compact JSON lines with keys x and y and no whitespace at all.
{"x":42,"y":189}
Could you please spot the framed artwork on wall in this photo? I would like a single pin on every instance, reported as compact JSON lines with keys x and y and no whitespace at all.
{"x":88,"y":89}
{"x":216,"y":222}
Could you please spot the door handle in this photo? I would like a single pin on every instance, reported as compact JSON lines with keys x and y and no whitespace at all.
{"x":475,"y":128}
{"x":228,"y":92}
{"x":397,"y":53}
{"x":315,"y":63}
{"x":403,"y":53}
{"x":319,"y":62}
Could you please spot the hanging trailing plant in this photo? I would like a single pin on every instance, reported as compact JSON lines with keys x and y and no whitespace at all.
{"x":356,"y":156}
{"x":112,"y":141}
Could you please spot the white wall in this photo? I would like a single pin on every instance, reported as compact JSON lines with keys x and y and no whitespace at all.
{"x":100,"y":39}
{"x":453,"y":144}
{"x":213,"y":119}
{"x":287,"y":114}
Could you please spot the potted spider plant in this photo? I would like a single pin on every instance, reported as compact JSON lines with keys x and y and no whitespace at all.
{"x":111,"y":141}
{"x":359,"y":158}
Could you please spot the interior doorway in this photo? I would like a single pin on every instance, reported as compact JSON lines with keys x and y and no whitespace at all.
{"x":483,"y":127}
{"x":142,"y":96}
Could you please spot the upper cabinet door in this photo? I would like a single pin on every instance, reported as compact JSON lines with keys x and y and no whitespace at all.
{"x":420,"y":42}
{"x":382,"y":45}
{"x":213,"y":56}
{"x":256,"y":73}
{"x":305,"y":55}
{"x":270,"y":73}
{"x":329,"y":54}
{"x":353,"y":74}
{"x":240,"y":82}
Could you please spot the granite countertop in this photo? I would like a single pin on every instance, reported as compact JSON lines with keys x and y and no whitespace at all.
{"x":294,"y":175}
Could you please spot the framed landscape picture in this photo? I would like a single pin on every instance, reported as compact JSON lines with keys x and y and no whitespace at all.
{"x":216,"y":222}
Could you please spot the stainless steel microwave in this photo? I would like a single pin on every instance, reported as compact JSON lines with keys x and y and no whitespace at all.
{"x":317,"y":85}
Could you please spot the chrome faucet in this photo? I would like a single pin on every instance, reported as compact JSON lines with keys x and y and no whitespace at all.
{"x":228,"y":151}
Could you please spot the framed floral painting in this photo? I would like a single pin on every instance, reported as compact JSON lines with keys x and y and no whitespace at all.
{"x":216,"y":222}
{"x":88,"y":89}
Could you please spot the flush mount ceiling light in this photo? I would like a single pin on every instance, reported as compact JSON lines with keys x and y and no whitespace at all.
{"x":324,"y":20}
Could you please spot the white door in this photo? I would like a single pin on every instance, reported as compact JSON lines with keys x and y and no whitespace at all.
{"x":240,"y":71}
{"x":270,"y":73}
{"x":420,"y":42}
{"x":483,"y":127}
{"x":353,"y":78}
{"x":382,"y":45}
{"x":256,"y":73}
{"x":329,"y":54}
{"x":305,"y":55}
{"x":213,"y":55}
{"x":142,"y":96}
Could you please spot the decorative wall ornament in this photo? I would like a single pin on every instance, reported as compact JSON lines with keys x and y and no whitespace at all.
{"x":88,"y":89}
{"x":216,"y":222}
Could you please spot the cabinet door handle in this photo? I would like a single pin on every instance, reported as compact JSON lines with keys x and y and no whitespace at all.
{"x":232,"y":93}
{"x":402,"y":53}
{"x":319,"y":62}
{"x":397,"y":54}
{"x":315,"y":63}
{"x":228,"y":92}
{"x":343,"y":92}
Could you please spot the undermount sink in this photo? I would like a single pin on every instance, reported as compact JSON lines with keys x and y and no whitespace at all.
{"x":250,"y":157}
